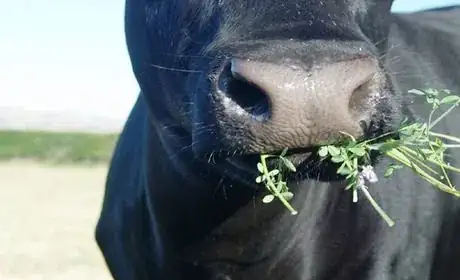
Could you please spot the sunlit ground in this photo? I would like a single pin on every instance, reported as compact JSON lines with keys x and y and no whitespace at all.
{"x":47,"y":218}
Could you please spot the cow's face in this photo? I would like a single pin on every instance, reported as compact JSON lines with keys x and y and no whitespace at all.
{"x":263,"y":75}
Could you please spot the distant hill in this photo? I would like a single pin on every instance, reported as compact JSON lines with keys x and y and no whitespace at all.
{"x":13,"y":118}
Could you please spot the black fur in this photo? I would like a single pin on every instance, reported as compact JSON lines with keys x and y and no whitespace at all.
{"x":181,"y":202}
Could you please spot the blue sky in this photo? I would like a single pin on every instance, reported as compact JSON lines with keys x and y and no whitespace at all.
{"x":71,"y":55}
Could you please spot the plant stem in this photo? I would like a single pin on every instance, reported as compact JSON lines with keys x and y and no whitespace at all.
{"x":394,"y":155}
{"x":382,"y":213}
{"x":448,"y":137}
{"x":442,"y":167}
{"x":448,"y":167}
{"x":413,"y":155}
{"x":275,"y":189}
{"x":452,"y":146}
{"x":443,"y":115}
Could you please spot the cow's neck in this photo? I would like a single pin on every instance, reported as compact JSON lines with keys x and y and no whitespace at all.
{"x":261,"y":240}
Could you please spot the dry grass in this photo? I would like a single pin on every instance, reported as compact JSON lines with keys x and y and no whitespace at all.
{"x":47,"y":217}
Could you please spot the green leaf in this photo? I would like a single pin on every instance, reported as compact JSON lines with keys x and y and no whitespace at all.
{"x":344,"y":170}
{"x":451,"y":99}
{"x":344,"y":153}
{"x":333,"y":151}
{"x":289,"y":164}
{"x":287,"y":195}
{"x":399,"y":156}
{"x":274,"y":172}
{"x":359,"y":151}
{"x":283,"y":153}
{"x":396,"y":166}
{"x":349,"y":186}
{"x":260,"y":167}
{"x":323,"y":151}
{"x":259,"y":179}
{"x":425,"y":151}
{"x":389,"y":172}
{"x":433,"y":156}
{"x":417,"y":92}
{"x":422,"y":154}
{"x":432,"y":91}
{"x":337,"y":159}
{"x":410,"y":128}
{"x":389,"y":146}
{"x":375,"y":146}
{"x":280,"y":186}
{"x":268,"y":198}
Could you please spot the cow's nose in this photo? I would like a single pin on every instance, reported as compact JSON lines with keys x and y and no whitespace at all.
{"x":311,"y":105}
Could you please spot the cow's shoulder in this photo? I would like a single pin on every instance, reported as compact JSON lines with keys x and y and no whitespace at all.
{"x":444,"y":20}
{"x":428,"y":29}
{"x":425,"y":53}
{"x":425,"y":49}
{"x":441,"y":9}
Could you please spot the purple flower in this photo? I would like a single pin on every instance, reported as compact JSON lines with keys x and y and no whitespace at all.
{"x":369,"y":174}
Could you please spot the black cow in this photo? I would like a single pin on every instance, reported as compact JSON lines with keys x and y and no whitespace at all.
{"x":225,"y":80}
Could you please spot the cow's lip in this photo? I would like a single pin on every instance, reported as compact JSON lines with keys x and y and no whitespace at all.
{"x":306,"y":160}
{"x":248,"y":162}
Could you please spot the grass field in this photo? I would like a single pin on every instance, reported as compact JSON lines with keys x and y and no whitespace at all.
{"x":54,"y":147}
{"x":49,"y":210}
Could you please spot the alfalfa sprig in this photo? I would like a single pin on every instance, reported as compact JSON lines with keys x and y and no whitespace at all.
{"x":418,"y":148}
{"x":354,"y":160}
{"x":273,"y":179}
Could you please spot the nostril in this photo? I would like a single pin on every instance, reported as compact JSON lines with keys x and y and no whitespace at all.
{"x":359,"y":103}
{"x":245,"y":94}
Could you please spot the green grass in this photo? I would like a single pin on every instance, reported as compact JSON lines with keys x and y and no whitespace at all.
{"x":57,"y":147}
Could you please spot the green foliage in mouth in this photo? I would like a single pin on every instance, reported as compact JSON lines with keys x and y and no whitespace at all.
{"x":419,"y":148}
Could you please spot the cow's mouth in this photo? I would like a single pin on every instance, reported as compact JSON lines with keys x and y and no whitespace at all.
{"x":306,"y":160}
{"x":308,"y":163}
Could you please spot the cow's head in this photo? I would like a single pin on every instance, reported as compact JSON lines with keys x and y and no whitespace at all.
{"x":244,"y":77}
